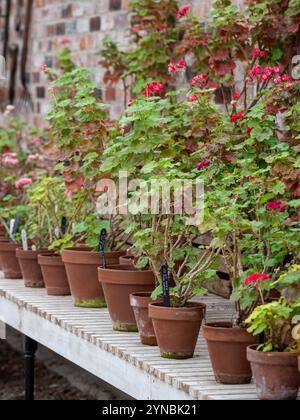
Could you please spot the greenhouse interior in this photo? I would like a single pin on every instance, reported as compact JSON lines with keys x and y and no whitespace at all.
{"x":149,"y":202}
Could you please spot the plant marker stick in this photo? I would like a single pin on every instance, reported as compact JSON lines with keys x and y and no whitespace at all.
{"x":102,"y":241}
{"x":11,"y":226}
{"x":63,"y":225}
{"x":56,"y":232}
{"x":16,"y":225}
{"x":165,"y":285}
{"x":24,"y":240}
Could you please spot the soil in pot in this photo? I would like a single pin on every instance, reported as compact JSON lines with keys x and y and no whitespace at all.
{"x":81,"y":266}
{"x":227,"y":348}
{"x":30,"y":268}
{"x":140,"y":303}
{"x":54,"y":275}
{"x":9,"y":261}
{"x":118,"y":283}
{"x":177,"y":329}
{"x":276,"y":374}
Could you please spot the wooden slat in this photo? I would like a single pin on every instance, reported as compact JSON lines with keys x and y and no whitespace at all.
{"x":193,"y":378}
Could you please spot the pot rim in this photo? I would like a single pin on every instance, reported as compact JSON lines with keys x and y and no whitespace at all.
{"x":218,"y":332}
{"x":86,"y":256}
{"x":195,"y":311}
{"x":271,"y":358}
{"x":125,"y":275}
{"x":26,"y":254}
{"x":50,"y":259}
{"x":140,"y":299}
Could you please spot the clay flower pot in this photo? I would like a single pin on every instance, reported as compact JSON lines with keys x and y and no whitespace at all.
{"x":3,"y":238}
{"x":118,"y":283}
{"x":81,"y":266}
{"x":126,"y":260}
{"x":276,"y":374}
{"x":30,"y":268}
{"x":227,"y":348}
{"x":54,"y":275}
{"x":140,"y":303}
{"x":9,"y":261}
{"x":177,"y":329}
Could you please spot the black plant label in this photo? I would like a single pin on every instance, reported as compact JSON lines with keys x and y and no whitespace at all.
{"x":63,"y":225}
{"x":165,"y":285}
{"x":16,"y":225}
{"x":102,"y":241}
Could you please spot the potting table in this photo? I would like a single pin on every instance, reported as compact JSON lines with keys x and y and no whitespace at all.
{"x":85,"y":337}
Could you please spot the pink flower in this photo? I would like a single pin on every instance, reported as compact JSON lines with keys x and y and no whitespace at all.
{"x":64,"y":40}
{"x":172,"y":68}
{"x":201,"y":165}
{"x":33,"y":158}
{"x":35,"y":141}
{"x":256,"y":71}
{"x":130,"y":103}
{"x":276,"y":205}
{"x":255,"y":278}
{"x":23,"y":181}
{"x":43,"y":67}
{"x":10,"y":161}
{"x":181,"y":64}
{"x":236,"y":95}
{"x":237,"y":116}
{"x":153,"y":88}
{"x":69,"y":193}
{"x":184,"y":10}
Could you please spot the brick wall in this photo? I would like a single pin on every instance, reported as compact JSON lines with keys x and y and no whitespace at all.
{"x":85,"y":22}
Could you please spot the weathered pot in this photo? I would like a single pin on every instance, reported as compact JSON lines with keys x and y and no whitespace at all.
{"x":30,"y":268}
{"x":81,"y":266}
{"x":118,"y":283}
{"x":177,"y":329}
{"x":9,"y":261}
{"x":126,"y":260}
{"x":276,"y":374}
{"x":54,"y":275}
{"x":140,"y":303}
{"x":227,"y":348}
{"x":3,"y":238}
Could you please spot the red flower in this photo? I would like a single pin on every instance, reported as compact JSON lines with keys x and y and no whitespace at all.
{"x":258,"y":53}
{"x":200,"y":79}
{"x":203,"y":164}
{"x":236,"y":95}
{"x":255,"y":278}
{"x":193,"y":97}
{"x":237,"y":116}
{"x":179,"y":66}
{"x":130,"y":103}
{"x":249,"y":130}
{"x":276,"y":205}
{"x":184,"y":10}
{"x":153,"y":88}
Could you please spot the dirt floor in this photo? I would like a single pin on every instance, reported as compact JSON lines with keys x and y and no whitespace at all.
{"x":49,"y":386}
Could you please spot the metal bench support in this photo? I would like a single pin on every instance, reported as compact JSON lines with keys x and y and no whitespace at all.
{"x":30,"y":348}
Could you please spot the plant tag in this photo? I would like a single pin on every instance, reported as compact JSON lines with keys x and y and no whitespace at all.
{"x":63,"y":224}
{"x":165,"y":284}
{"x":11,"y":226}
{"x":56,"y":232}
{"x":102,"y":240}
{"x":24,"y":240}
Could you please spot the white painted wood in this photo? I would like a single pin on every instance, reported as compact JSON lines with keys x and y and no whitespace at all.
{"x":85,"y":337}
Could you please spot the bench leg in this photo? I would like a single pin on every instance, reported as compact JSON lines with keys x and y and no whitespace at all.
{"x":30,"y":347}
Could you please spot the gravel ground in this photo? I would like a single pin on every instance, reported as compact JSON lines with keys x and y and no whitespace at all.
{"x":48,"y":386}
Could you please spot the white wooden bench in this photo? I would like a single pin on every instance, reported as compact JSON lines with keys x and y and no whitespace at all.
{"x":85,"y":337}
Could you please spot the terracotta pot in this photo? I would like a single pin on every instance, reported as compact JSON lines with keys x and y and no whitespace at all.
{"x":81,"y":266}
{"x":227,"y":348}
{"x":9,"y":261}
{"x":54,"y":275}
{"x":139,"y":303}
{"x":3,"y":238}
{"x":118,"y":283}
{"x":177,"y":329}
{"x":276,"y":374}
{"x":30,"y":268}
{"x":126,"y":260}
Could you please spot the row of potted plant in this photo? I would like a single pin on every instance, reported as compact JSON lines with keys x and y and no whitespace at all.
{"x":246,"y":159}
